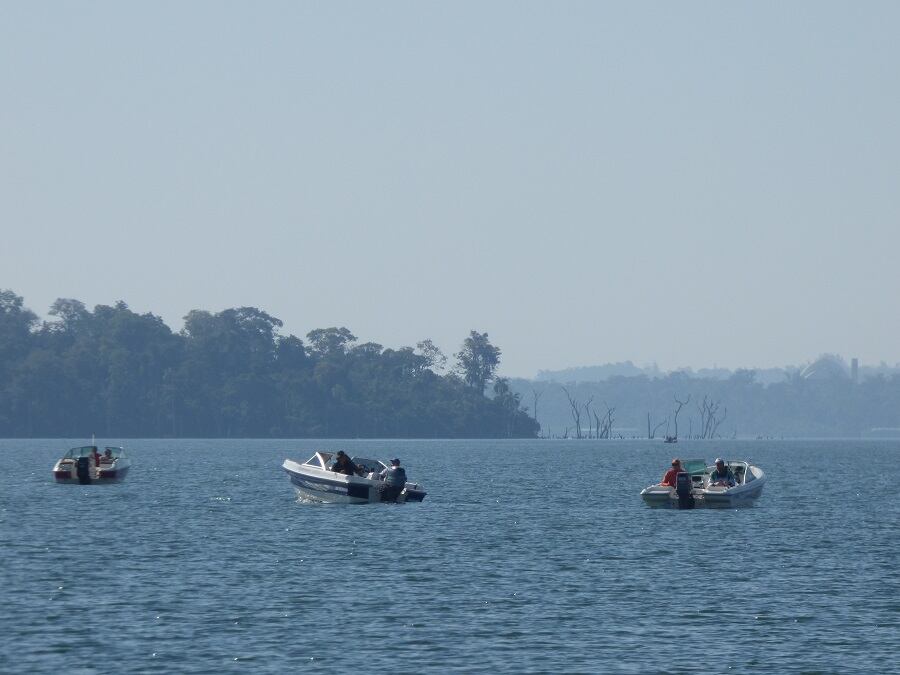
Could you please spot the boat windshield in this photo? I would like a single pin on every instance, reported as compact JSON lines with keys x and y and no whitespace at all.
{"x":319,"y":460}
{"x":694,"y":466}
{"x":84,"y":451}
{"x":369,"y":465}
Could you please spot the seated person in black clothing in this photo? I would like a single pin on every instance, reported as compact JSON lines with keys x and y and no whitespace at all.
{"x":343,"y":464}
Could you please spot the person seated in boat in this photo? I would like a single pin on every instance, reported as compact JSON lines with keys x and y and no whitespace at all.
{"x":669,"y":477}
{"x":107,"y":457}
{"x":722,"y":475}
{"x":343,"y":464}
{"x":394,"y":478}
{"x":96,"y":457}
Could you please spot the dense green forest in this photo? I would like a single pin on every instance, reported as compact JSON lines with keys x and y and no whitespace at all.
{"x":117,"y":373}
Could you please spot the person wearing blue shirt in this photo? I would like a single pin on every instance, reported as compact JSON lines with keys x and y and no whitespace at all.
{"x":722,"y":475}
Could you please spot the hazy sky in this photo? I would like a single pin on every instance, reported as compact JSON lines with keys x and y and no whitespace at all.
{"x":692,"y":183}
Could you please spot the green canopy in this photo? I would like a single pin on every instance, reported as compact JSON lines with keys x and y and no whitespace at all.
{"x":693,"y":466}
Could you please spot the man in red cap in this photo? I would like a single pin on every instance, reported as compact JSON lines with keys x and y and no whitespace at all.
{"x":669,"y":478}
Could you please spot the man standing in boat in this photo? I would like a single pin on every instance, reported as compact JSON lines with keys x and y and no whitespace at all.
{"x":394,"y":479}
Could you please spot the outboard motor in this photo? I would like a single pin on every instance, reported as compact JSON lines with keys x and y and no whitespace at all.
{"x":683,"y":488}
{"x":83,"y":470}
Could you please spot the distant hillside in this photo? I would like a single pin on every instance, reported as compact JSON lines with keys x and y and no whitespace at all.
{"x":596,"y":373}
{"x":606,"y":371}
{"x":820,"y":399}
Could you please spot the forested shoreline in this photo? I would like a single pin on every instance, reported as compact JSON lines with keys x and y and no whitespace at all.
{"x":706,"y":408}
{"x":116,"y":373}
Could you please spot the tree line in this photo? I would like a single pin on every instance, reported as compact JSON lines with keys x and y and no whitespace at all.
{"x":117,"y":373}
{"x":677,"y":405}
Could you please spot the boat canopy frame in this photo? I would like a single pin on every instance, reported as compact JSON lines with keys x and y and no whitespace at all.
{"x":89,"y":450}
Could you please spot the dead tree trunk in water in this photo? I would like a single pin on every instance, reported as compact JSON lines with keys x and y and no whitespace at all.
{"x":576,"y":412}
{"x":605,"y":424}
{"x":680,"y":405}
{"x":587,"y":410}
{"x":709,"y":417}
{"x":719,"y":421}
{"x":536,"y":396}
{"x":652,"y":434}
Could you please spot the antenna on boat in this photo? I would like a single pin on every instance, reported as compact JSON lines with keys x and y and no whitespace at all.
{"x":92,"y":440}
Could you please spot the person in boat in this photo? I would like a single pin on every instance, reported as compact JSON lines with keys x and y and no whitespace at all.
{"x":343,"y":464}
{"x":96,"y":457}
{"x":394,"y":478}
{"x":107,"y":456}
{"x":669,"y":477}
{"x":722,"y":475}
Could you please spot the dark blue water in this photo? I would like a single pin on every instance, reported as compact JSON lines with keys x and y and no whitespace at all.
{"x":525,"y":556}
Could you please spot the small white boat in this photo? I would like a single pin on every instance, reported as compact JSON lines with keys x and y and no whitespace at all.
{"x":315,"y":480}
{"x":87,"y":465}
{"x":693,"y":488}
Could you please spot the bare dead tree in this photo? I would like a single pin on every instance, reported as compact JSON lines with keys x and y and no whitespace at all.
{"x":535,"y":397}
{"x":587,"y":410}
{"x":679,"y":406}
{"x":709,"y":417}
{"x":576,"y":411}
{"x":652,"y":434}
{"x":604,"y":424}
{"x":703,"y":408}
{"x":719,"y":421}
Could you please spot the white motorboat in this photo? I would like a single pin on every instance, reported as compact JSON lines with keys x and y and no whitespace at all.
{"x":313,"y":479}
{"x":87,"y":465}
{"x":693,"y":488}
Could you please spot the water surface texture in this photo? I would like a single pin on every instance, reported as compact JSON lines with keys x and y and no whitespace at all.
{"x":525,"y":556}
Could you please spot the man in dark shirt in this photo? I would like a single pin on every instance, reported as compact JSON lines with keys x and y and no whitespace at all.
{"x":343,"y":464}
{"x":394,"y":481}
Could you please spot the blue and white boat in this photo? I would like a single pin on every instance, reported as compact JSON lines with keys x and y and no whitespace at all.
{"x":314,"y":480}
{"x":694,"y":489}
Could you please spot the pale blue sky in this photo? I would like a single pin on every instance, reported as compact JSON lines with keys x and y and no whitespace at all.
{"x":690,"y":183}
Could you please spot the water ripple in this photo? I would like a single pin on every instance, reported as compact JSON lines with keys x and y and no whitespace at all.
{"x":518,"y":561}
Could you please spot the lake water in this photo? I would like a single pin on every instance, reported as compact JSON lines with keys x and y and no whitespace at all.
{"x":525,"y":556}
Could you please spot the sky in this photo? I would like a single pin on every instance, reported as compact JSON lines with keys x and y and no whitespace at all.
{"x":691,"y":184}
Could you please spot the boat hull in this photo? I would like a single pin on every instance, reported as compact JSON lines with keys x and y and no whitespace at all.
{"x":116,"y":475}
{"x":739,"y":496}
{"x":335,"y":488}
